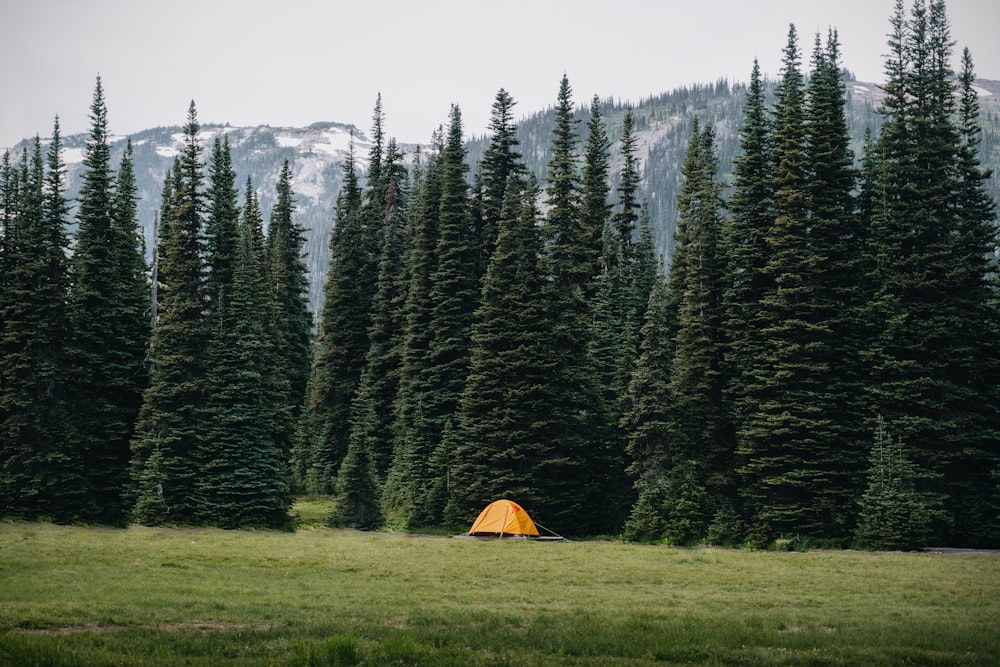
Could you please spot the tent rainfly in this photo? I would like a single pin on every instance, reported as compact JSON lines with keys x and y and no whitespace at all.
{"x":503,"y":518}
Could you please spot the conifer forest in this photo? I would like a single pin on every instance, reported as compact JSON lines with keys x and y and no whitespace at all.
{"x":816,"y":360}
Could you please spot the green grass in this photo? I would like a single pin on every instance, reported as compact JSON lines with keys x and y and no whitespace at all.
{"x":145,"y":596}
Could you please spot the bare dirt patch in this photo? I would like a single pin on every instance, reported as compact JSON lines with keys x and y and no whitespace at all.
{"x":955,"y":551}
{"x":196,"y":626}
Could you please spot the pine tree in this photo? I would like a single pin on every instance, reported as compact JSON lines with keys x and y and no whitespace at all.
{"x":751,"y":215}
{"x":289,"y":285}
{"x":276,"y":383}
{"x":929,"y":351}
{"x":242,"y":478}
{"x":221,"y":223}
{"x":500,"y":161}
{"x":454,"y":296}
{"x":500,"y":452}
{"x":595,"y":208}
{"x":836,"y":241}
{"x":612,"y":344}
{"x":787,"y":441}
{"x":634,"y":237}
{"x":8,"y":223}
{"x":358,"y":504}
{"x":165,"y":464}
{"x":701,"y":454}
{"x":409,"y":453}
{"x":372,"y":410}
{"x":975,"y":491}
{"x":645,"y":420}
{"x":892,"y":515}
{"x":40,"y":475}
{"x":580,"y":454}
{"x":341,"y":344}
{"x":626,"y":218}
{"x":108,"y":302}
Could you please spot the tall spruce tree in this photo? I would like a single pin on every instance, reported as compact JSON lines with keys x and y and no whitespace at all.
{"x":751,"y":215}
{"x":500,"y":161}
{"x":409,"y":455}
{"x":975,"y":479}
{"x":289,"y":285}
{"x":222,"y":235}
{"x":40,"y":474}
{"x":836,"y":241}
{"x":341,"y":344}
{"x":372,"y":410}
{"x":929,"y":300}
{"x":801,"y":463}
{"x":701,"y":452}
{"x":454,"y":296}
{"x":610,"y":345}
{"x":595,"y":206}
{"x":500,"y":453}
{"x":626,"y":218}
{"x":108,"y":302}
{"x":241,"y":483}
{"x":165,"y":448}
{"x":574,"y":423}
{"x":646,"y":416}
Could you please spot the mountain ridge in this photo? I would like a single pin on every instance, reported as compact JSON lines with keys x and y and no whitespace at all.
{"x":316,"y":154}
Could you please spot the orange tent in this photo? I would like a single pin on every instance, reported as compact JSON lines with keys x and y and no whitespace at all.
{"x":503,"y":518}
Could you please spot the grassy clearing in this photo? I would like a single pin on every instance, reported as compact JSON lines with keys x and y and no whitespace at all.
{"x":143,"y":596}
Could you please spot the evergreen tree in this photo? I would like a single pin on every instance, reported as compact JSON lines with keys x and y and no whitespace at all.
{"x":8,"y":223}
{"x":500,"y":161}
{"x":454,"y":296}
{"x":108,"y":302}
{"x":358,"y":504}
{"x":595,"y":208}
{"x":930,"y":300}
{"x":645,"y":420}
{"x":836,"y":241}
{"x":372,"y":410}
{"x":892,"y":515}
{"x":976,"y":495}
{"x":40,"y":476}
{"x":500,"y":452}
{"x":799,"y":439}
{"x":341,"y":344}
{"x":751,"y":215}
{"x":166,"y":443}
{"x":638,"y":257}
{"x":242,"y":479}
{"x":409,"y":454}
{"x":700,"y":457}
{"x":612,"y":345}
{"x":626,"y":218}
{"x":221,"y":223}
{"x":276,"y":383}
{"x":580,"y":455}
{"x":289,"y":285}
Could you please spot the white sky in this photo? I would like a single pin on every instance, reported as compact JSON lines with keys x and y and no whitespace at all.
{"x":295,"y":62}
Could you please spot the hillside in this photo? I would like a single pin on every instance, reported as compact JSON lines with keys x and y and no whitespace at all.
{"x":316,"y":153}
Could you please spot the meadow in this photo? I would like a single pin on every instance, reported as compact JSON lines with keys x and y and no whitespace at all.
{"x":86,"y":596}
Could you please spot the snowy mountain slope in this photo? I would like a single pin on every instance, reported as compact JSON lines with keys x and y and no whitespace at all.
{"x":316,"y":154}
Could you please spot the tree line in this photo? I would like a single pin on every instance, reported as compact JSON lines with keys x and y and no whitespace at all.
{"x":817,"y":363}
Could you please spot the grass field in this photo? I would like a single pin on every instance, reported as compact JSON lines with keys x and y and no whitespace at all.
{"x":145,"y":596}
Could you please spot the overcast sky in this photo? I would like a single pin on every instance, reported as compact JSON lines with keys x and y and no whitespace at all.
{"x":294,"y":62}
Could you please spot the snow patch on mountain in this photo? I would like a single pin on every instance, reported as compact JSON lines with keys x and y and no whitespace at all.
{"x":309,"y":178}
{"x":72,"y":155}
